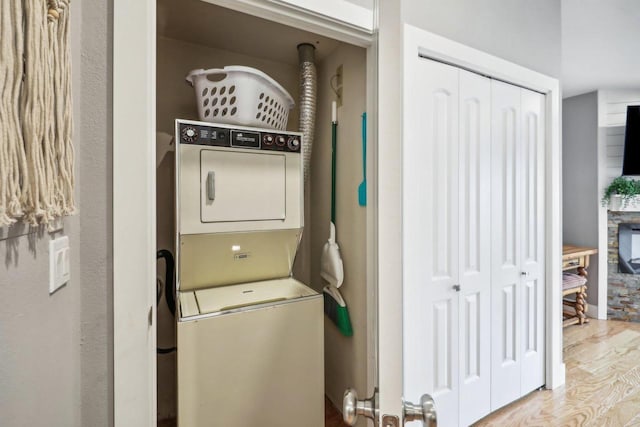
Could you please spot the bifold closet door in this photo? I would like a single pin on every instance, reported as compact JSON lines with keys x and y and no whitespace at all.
{"x":517,"y":200}
{"x":447,"y":240}
{"x":533,"y":280}
{"x":474,"y":256}
{"x":430,"y":239}
{"x":506,"y":228}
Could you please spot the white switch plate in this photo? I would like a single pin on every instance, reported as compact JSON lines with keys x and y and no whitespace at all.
{"x":59,"y":263}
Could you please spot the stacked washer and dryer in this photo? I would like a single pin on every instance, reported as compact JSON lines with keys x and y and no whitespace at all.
{"x":250,"y":336}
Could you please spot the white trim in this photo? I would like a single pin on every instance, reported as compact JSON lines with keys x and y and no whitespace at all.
{"x":603,"y":245}
{"x":134,"y":217}
{"x":339,"y":10}
{"x":388,"y":163}
{"x":593,"y":312}
{"x":418,"y":41}
{"x":372,"y":260}
{"x":298,"y":17}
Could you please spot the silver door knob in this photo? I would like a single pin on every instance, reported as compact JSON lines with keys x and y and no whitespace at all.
{"x":352,"y":407}
{"x":425,"y":411}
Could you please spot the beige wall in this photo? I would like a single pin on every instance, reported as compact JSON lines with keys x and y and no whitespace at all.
{"x":176,"y":98}
{"x":345,"y":358}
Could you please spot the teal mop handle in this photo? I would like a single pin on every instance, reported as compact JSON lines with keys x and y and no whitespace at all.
{"x":334,"y":138}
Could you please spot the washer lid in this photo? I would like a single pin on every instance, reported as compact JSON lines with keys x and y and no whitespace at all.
{"x":235,"y":297}
{"x":219,"y":259}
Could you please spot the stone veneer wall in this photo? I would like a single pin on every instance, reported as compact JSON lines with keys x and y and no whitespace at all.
{"x":623,"y":299}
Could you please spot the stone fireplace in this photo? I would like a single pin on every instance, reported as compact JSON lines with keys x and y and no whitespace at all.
{"x":624,"y":266}
{"x":629,"y":248}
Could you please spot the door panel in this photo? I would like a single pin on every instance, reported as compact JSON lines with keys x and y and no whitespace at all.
{"x":533,"y":349}
{"x":228,"y":194}
{"x":430,"y":240}
{"x":506,"y":226}
{"x":474,"y":260}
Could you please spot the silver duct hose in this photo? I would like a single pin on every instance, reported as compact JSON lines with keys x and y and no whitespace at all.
{"x":308,"y":97}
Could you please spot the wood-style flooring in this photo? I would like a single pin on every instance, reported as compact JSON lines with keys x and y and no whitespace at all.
{"x":602,"y":385}
{"x":332,"y":417}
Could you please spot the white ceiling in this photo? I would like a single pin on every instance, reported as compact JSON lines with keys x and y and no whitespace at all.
{"x":203,"y":23}
{"x":600,"y":45}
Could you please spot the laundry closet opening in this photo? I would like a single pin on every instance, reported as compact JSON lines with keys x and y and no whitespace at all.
{"x":193,"y":34}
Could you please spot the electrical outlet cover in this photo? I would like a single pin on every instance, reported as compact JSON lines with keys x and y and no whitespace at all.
{"x":59,"y":263}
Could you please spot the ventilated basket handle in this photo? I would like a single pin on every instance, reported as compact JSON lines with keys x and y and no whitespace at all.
{"x":200,"y":72}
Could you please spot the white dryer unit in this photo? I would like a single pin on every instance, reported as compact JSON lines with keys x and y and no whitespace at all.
{"x":250,"y":336}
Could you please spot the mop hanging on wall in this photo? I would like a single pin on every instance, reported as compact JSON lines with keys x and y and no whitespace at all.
{"x":12,"y":156}
{"x":36,"y":153}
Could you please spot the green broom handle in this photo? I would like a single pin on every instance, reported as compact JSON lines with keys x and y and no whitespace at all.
{"x":334,"y":137}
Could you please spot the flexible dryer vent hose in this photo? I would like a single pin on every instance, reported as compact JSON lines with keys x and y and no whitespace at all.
{"x":308,"y":98}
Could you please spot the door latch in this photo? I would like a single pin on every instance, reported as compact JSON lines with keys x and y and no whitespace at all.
{"x":352,"y":407}
{"x":425,"y":411}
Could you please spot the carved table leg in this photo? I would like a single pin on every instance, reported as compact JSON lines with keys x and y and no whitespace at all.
{"x":581,"y":305}
{"x":582,"y":272}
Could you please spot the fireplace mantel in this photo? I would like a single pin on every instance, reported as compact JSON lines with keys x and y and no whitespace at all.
{"x":616,"y":204}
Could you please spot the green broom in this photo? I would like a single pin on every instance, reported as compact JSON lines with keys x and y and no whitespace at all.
{"x":336,"y":309}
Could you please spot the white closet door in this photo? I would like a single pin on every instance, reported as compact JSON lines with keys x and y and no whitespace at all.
{"x":532,"y":346}
{"x":506,"y":230}
{"x":430,"y":238}
{"x":474,"y":256}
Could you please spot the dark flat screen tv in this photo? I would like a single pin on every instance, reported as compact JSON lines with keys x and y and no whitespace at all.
{"x":631,"y":163}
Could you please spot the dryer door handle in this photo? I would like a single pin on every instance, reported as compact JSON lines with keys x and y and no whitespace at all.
{"x":211,"y":186}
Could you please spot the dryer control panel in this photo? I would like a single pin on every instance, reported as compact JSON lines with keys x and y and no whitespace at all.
{"x":258,"y":139}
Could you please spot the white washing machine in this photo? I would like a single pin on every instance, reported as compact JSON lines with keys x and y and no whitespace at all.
{"x":250,"y":336}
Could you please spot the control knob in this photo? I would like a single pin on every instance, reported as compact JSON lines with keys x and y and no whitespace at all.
{"x":293,"y":143}
{"x":281,"y":141}
{"x":189,"y":134}
{"x":267,"y":140}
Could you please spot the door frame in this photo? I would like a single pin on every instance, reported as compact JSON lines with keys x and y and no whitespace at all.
{"x":134,"y":189}
{"x":420,"y":42}
{"x":134,"y":213}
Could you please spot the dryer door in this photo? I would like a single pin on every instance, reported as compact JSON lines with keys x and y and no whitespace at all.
{"x":241,"y":186}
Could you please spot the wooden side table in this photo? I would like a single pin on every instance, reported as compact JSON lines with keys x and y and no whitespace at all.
{"x":576,"y":258}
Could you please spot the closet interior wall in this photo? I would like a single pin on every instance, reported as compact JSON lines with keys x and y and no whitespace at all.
{"x":178,"y":54}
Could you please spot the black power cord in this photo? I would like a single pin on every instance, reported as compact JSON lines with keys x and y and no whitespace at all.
{"x":169,"y":291}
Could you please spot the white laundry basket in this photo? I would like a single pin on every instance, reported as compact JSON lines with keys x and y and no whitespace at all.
{"x":244,"y":96}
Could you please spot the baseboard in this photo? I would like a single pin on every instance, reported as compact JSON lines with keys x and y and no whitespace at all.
{"x":592,"y":311}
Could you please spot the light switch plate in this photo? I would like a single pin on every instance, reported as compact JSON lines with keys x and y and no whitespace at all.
{"x":59,"y":263}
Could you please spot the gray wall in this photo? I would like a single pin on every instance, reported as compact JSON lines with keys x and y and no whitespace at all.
{"x":580,"y":178}
{"x":522,"y":31}
{"x":55,"y":350}
{"x":40,"y":334}
{"x":95,"y":144}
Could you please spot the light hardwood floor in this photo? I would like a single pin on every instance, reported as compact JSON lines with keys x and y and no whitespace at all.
{"x":603,"y":382}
